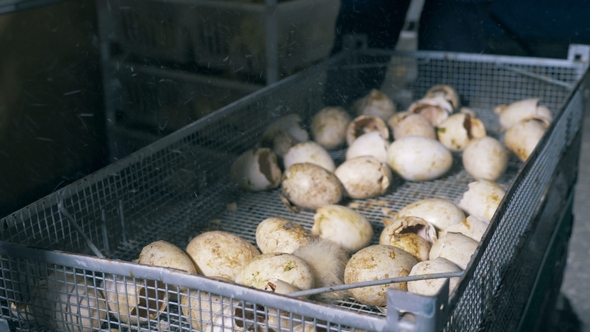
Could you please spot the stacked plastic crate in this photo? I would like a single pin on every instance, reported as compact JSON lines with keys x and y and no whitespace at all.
{"x":169,"y":63}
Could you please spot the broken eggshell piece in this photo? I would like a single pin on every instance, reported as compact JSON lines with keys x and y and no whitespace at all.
{"x":522,"y":110}
{"x":256,"y":170}
{"x":375,"y":103}
{"x":436,"y":109}
{"x":366,"y":124}
{"x":458,"y":130}
{"x":482,"y":199}
{"x":328,"y":127}
{"x":445,"y":91}
{"x":309,"y":152}
{"x":413,"y":125}
{"x":523,"y":137}
{"x":369,"y":144}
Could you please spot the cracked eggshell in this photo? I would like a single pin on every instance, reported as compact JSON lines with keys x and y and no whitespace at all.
{"x":375,"y":263}
{"x":211,"y":311}
{"x":458,"y":130}
{"x":286,"y":267}
{"x":134,"y":301}
{"x":411,"y":234}
{"x":413,"y":125}
{"x":482,"y":199}
{"x":80,"y":307}
{"x":364,"y":177}
{"x":472,"y":227}
{"x":309,"y":152}
{"x":366,"y":124}
{"x":328,"y":127}
{"x":256,"y":170}
{"x":280,"y":235}
{"x":445,"y":91}
{"x":417,"y":158}
{"x":343,"y":226}
{"x":290,"y":124}
{"x":436,"y":109}
{"x":523,"y":137}
{"x":411,"y":243}
{"x":485,"y":158}
{"x":310,"y":186}
{"x":369,"y":144}
{"x":455,"y":247}
{"x":220,"y":254}
{"x":375,"y":103}
{"x":430,"y":287}
{"x":395,"y":119}
{"x":438,"y":212}
{"x":521,"y":110}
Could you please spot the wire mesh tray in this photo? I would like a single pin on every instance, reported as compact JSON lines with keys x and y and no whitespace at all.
{"x":178,"y":187}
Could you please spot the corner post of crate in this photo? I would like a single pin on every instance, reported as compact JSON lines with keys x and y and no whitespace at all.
{"x":578,"y":53}
{"x":407,"y":311}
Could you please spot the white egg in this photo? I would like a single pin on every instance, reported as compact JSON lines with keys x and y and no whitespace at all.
{"x":471,"y":227}
{"x":417,"y":158}
{"x":364,"y":177}
{"x":220,"y":254}
{"x":309,"y":152}
{"x":485,"y":158}
{"x":522,"y":110}
{"x":256,"y":170}
{"x":366,"y":124}
{"x":413,"y":125}
{"x":343,"y":226}
{"x":455,"y":247}
{"x":310,"y":186}
{"x":395,"y":119}
{"x":458,"y":130}
{"x":436,"y":109}
{"x":375,"y":103}
{"x":430,"y":287}
{"x":482,"y":199}
{"x":280,"y":235}
{"x":286,"y":267}
{"x":328,"y":127}
{"x":369,"y":144}
{"x":375,"y":263}
{"x":523,"y":137}
{"x":438,"y":212}
{"x":80,"y":307}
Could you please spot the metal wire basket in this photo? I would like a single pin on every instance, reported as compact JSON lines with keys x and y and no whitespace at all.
{"x":63,"y":255}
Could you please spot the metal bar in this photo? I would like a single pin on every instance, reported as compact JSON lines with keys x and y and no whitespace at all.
{"x":543,"y":78}
{"x":375,"y":283}
{"x":79,"y":229}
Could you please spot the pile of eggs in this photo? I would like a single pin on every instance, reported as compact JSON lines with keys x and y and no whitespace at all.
{"x":430,"y":235}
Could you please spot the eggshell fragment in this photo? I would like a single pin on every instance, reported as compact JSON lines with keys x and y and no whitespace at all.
{"x":256,"y":170}
{"x":364,"y":177}
{"x":309,"y":152}
{"x":375,"y":263}
{"x":440,"y":213}
{"x":418,"y":158}
{"x":366,"y":124}
{"x":413,"y":125}
{"x":458,"y":130}
{"x":445,"y":91}
{"x":482,"y":199}
{"x":436,"y":109}
{"x":310,"y":186}
{"x":220,"y":254}
{"x":522,"y":110}
{"x":375,"y":103}
{"x":485,"y":158}
{"x":523,"y":137}
{"x":471,"y":227}
{"x":286,"y":267}
{"x":455,"y":247}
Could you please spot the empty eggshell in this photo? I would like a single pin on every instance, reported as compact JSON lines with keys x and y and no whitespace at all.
{"x":310,"y":186}
{"x":411,"y":234}
{"x":375,"y":263}
{"x":485,"y":158}
{"x":309,"y":152}
{"x":523,"y":137}
{"x":134,"y":301}
{"x":280,"y":235}
{"x":286,"y":267}
{"x":430,"y":287}
{"x":413,"y":125}
{"x":439,"y":212}
{"x":343,"y":226}
{"x":445,"y":91}
{"x":458,"y":130}
{"x":472,"y":227}
{"x":455,"y":247}
{"x":364,"y":177}
{"x":290,"y":124}
{"x":366,"y":124}
{"x":220,"y":254}
{"x":375,"y":103}
{"x":417,"y":158}
{"x":80,"y":307}
{"x":369,"y":144}
{"x":436,"y":109}
{"x":482,"y":199}
{"x":256,"y":170}
{"x":522,"y":110}
{"x":328,"y":127}
{"x":395,"y":119}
